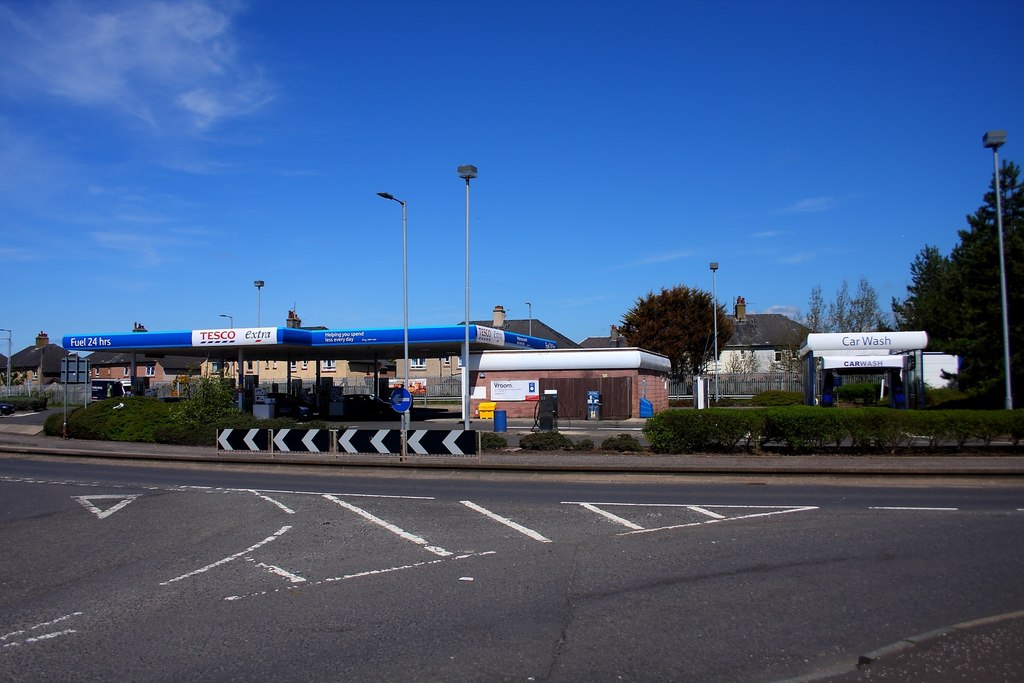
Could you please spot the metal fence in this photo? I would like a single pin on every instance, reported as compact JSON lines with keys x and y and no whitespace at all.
{"x":738,"y":384}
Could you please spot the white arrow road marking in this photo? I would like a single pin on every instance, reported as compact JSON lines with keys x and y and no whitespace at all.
{"x":279,"y":439}
{"x":222,"y":439}
{"x":86,"y":501}
{"x":449,"y":441}
{"x":378,"y":440}
{"x":249,"y":439}
{"x":279,"y":504}
{"x":346,"y":441}
{"x":277,"y":534}
{"x":389,"y":526}
{"x":414,"y":442}
{"x":308,"y":440}
{"x":507,"y":522}
{"x":13,"y":635}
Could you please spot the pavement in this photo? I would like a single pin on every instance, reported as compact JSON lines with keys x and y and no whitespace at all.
{"x":989,"y":649}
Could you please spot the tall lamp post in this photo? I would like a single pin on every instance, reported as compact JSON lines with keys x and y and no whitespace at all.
{"x":259,"y":287}
{"x":467,"y":173}
{"x":10,"y":334}
{"x":994,"y":139}
{"x":231,"y":319}
{"x":405,"y":309}
{"x":714,"y":318}
{"x":530,"y":308}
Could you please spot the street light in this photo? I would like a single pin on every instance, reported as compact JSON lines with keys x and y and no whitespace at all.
{"x":231,"y":319}
{"x":467,"y":173}
{"x":259,"y":286}
{"x":530,"y":306}
{"x":714,"y":318}
{"x":994,"y":139}
{"x":10,"y":334}
{"x":405,"y":309}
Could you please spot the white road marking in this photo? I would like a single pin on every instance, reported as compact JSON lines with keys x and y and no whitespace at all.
{"x":725,"y":519}
{"x":389,"y":526}
{"x":615,"y":518}
{"x":709,"y":513}
{"x":916,"y":508}
{"x":360,"y":575}
{"x":45,"y":636}
{"x":277,"y":534}
{"x":86,"y":501}
{"x":507,"y":522}
{"x":284,"y":573}
{"x":284,"y":507}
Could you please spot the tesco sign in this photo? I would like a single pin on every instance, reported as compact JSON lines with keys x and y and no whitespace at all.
{"x":244,"y":336}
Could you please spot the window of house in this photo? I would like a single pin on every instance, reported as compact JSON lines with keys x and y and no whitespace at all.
{"x":417,"y":363}
{"x":127,"y":371}
{"x":150,"y":371}
{"x":275,"y":365}
{"x":305,"y":365}
{"x":248,"y":365}
{"x":329,"y":365}
{"x":95,"y":372}
{"x":293,"y":365}
{"x":448,"y":362}
{"x":778,"y":356}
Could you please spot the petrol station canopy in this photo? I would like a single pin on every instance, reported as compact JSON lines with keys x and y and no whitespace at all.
{"x":287,"y":344}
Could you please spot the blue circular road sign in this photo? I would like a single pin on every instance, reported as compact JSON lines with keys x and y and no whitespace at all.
{"x":401,"y":399}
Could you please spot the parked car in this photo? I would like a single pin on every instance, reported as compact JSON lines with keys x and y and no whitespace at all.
{"x":367,"y":407}
{"x":6,"y":409}
{"x":291,"y":406}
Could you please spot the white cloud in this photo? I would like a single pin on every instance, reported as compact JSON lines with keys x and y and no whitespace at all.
{"x":791,"y":312}
{"x":162,"y":62}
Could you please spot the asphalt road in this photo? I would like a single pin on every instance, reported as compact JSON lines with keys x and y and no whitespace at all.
{"x":205,"y":572}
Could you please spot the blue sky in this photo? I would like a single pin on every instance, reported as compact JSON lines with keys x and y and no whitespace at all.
{"x":160,"y":156}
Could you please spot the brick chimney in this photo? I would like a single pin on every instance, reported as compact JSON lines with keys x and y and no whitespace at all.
{"x":615,"y":339}
{"x":499,"y":316}
{"x":293,"y":321}
{"x":741,"y":308}
{"x":42,"y":339}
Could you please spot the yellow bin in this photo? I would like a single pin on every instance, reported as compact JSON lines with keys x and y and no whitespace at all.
{"x":487,"y":410}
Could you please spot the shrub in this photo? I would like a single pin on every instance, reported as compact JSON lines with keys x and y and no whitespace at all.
{"x":777,"y":398}
{"x":583,"y":445}
{"x":545,"y":441}
{"x":119,"y":419}
{"x":622,"y":443}
{"x":32,"y":403}
{"x":802,"y":428}
{"x":489,"y":441}
{"x":714,"y":430}
{"x":208,"y":400}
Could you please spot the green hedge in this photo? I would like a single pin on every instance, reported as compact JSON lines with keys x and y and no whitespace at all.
{"x":154,"y":421}
{"x":32,"y":403}
{"x":806,"y":429}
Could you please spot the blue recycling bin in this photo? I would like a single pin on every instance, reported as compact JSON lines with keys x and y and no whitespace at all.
{"x":500,"y":421}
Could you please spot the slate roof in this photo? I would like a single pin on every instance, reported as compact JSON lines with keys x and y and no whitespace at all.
{"x":766,"y":330}
{"x":30,"y":358}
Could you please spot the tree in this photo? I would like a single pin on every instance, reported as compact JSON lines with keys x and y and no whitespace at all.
{"x":815,"y":318}
{"x":677,"y":323}
{"x":931,"y":296}
{"x":957,"y":299}
{"x":975,"y":260}
{"x":860,"y":313}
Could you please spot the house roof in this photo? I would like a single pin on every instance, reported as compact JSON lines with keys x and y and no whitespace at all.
{"x":766,"y":330}
{"x":48,"y":355}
